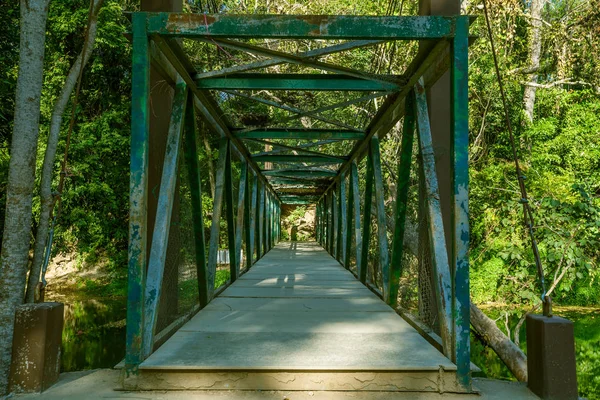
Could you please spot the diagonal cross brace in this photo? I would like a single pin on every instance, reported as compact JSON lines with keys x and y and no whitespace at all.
{"x":304,"y":55}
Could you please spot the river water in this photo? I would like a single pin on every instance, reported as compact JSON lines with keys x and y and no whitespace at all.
{"x":93,"y":334}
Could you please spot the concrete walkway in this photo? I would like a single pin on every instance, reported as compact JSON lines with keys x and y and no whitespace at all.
{"x":297,"y":309}
{"x":104,"y":384}
{"x":297,"y":326}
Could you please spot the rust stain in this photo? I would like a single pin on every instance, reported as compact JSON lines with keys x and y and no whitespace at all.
{"x":177,"y":22}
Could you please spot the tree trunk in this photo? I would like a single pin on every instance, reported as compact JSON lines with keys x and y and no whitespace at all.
{"x":535,"y":48}
{"x":21,"y":174}
{"x":508,"y":352}
{"x":46,"y":197}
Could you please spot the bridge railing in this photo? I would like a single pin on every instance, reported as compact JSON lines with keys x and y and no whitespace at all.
{"x":352,"y":222}
{"x":174,"y":243}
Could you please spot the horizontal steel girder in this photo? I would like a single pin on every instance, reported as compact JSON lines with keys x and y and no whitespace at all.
{"x":300,"y":26}
{"x":314,"y":182}
{"x":313,"y":82}
{"x":302,"y":173}
{"x":300,"y":159}
{"x":292,"y":133}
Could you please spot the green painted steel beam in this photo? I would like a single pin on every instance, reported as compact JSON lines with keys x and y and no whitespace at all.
{"x":315,"y":112}
{"x":460,"y":199}
{"x":205,"y":103}
{"x":435,"y":225}
{"x":299,"y":202}
{"x":312,"y":82}
{"x":291,"y":133}
{"x":306,"y":54}
{"x":162,"y":221}
{"x":285,"y":149}
{"x":402,"y":187}
{"x":192,"y":161}
{"x":300,"y":26}
{"x":289,"y":109}
{"x":302,"y":173}
{"x":322,"y":182}
{"x":299,"y":159}
{"x":138,"y":195}
{"x":294,"y":59}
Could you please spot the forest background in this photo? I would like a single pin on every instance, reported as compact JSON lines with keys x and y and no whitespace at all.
{"x":548,"y":53}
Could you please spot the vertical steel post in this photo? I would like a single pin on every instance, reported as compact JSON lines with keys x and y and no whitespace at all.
{"x":248,"y":234}
{"x":355,"y":193}
{"x":460,"y":200}
{"x":138,"y":193}
{"x":341,"y":243}
{"x":191,"y":158}
{"x":384,"y":255}
{"x":230,"y":216}
{"x":241,"y":215}
{"x":263,"y":225}
{"x":256,"y":223}
{"x":402,"y":187}
{"x":348,"y":225}
{"x":333,"y":224}
{"x":366,"y":225}
{"x":215,"y":227}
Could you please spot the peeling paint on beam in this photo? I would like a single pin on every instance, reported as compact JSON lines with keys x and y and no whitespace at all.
{"x":285,"y":133}
{"x":313,"y":82}
{"x":304,"y":173}
{"x":300,"y":158}
{"x":300,"y":26}
{"x":316,"y":53}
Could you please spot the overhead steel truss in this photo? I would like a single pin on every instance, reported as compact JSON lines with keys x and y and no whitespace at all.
{"x":296,"y":174}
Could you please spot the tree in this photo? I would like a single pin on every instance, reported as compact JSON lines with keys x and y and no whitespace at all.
{"x":535,"y":49}
{"x":21,"y":175}
{"x":46,"y":197}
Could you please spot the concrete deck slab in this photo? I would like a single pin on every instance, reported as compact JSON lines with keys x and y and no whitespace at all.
{"x":101,"y":384}
{"x":340,"y":322}
{"x":297,"y":277}
{"x":313,"y":283}
{"x":358,"y":304}
{"x":289,"y":351}
{"x":296,"y":291}
{"x":268,"y":333}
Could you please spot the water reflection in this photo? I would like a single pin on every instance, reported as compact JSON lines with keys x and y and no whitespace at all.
{"x":93,"y":335}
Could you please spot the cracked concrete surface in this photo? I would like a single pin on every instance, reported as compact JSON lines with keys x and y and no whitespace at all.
{"x":101,"y":384}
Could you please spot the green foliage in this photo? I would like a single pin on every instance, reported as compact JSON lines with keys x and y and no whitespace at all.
{"x":221,"y":277}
